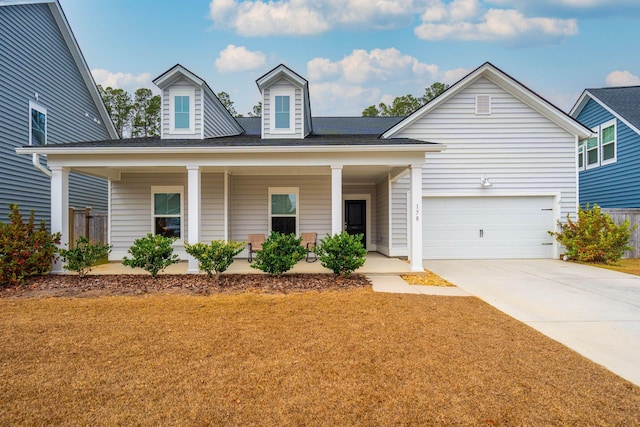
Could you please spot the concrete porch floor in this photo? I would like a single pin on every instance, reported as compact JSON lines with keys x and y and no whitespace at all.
{"x":376,"y":263}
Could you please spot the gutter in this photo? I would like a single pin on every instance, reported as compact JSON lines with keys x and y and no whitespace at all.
{"x":38,"y":165}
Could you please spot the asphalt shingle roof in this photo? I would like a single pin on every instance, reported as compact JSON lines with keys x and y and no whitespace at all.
{"x":245,"y":141}
{"x":625,"y":101}
{"x":333,"y":125}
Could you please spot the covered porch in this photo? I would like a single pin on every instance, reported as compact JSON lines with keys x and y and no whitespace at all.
{"x":224,"y":188}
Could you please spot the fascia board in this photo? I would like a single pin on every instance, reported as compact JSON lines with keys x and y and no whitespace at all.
{"x":230,"y":150}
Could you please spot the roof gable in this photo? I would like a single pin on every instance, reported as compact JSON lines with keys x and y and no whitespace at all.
{"x":281,"y":71}
{"x":622,"y":102}
{"x":76,"y":53}
{"x":506,"y":83}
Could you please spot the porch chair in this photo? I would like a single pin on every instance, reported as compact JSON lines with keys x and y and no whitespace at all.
{"x":309,"y":242}
{"x":254,"y":244}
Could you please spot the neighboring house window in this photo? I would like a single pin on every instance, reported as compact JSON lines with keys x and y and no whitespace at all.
{"x":592,"y":152}
{"x":483,"y":105}
{"x":182,"y":105}
{"x":608,"y":142}
{"x":167,"y":211}
{"x":37,"y":124}
{"x":283,"y":209}
{"x":581,"y":155}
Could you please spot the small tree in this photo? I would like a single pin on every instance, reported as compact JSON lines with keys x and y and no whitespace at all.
{"x":25,"y":250}
{"x":342,"y":253}
{"x":83,"y":256}
{"x":280,"y":252}
{"x":594,"y":237}
{"x":152,"y":253}
{"x":215,"y":257}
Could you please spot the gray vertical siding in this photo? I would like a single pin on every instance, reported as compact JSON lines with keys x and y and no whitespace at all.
{"x":34,"y":58}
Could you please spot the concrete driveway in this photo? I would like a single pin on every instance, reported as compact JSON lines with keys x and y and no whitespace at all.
{"x":593,"y":311}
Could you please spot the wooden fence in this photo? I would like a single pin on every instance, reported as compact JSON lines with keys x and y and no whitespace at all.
{"x":633,"y":215}
{"x":92,"y":225}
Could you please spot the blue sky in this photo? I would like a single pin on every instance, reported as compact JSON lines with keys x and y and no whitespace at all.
{"x":356,"y":53}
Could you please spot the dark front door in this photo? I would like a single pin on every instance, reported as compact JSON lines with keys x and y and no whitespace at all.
{"x":355,"y":218}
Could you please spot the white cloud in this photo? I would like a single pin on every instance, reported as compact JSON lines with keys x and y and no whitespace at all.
{"x":465,"y":20}
{"x":238,"y":58}
{"x":622,"y":78}
{"x":307,"y":17}
{"x":126,"y":81}
{"x":377,"y":65}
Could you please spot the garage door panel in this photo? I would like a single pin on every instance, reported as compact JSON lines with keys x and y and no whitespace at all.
{"x":487,"y":227}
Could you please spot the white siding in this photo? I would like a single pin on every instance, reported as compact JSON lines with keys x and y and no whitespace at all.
{"x":516,"y":147}
{"x":382,"y":217}
{"x":182,"y":83}
{"x":250,"y":209}
{"x":212,"y":193}
{"x":296,"y":108}
{"x":399,"y":226}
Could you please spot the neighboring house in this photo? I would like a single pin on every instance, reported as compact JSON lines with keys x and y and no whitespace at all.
{"x":482,"y":171}
{"x":609,"y":160}
{"x":47,"y":97}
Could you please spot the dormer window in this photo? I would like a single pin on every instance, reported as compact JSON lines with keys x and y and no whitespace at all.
{"x":182,"y":104}
{"x":282,"y":114}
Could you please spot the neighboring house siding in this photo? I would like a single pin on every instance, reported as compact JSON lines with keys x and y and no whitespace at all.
{"x":616,"y":185}
{"x":250,"y":210}
{"x":517,"y":148}
{"x":34,"y":58}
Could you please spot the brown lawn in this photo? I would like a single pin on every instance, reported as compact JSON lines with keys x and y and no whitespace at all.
{"x":630,"y":266}
{"x":332,"y":358}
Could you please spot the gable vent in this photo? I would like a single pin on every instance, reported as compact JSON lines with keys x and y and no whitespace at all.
{"x":483,"y":104}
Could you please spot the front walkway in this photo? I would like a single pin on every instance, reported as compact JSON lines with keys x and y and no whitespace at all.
{"x":376,"y":263}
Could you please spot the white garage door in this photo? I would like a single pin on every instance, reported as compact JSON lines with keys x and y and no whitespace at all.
{"x":487,"y":227}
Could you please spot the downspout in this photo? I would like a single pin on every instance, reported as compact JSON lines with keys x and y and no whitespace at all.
{"x":37,"y":165}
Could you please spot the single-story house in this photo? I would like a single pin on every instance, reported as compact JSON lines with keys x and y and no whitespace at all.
{"x":482,"y":171}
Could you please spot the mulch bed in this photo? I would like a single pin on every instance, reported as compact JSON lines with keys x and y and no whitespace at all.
{"x":184,"y":284}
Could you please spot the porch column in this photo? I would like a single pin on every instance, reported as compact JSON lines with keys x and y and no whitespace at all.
{"x":60,"y":208}
{"x":194,"y":206}
{"x":336,"y":199}
{"x":415,"y":249}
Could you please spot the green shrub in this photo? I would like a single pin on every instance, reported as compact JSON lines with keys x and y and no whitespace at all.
{"x":280,"y":252}
{"x":215,"y":257}
{"x":83,"y":256}
{"x":594,"y":237}
{"x":342,"y":253}
{"x":153,"y":253}
{"x":25,"y":250}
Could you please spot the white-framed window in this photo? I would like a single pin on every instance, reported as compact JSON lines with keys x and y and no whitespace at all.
{"x":283,"y":209}
{"x":483,"y":105}
{"x":593,"y":159}
{"x":182,"y":104}
{"x":608,"y":142}
{"x":167,"y":211}
{"x":37,"y":124}
{"x":282,"y":111}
